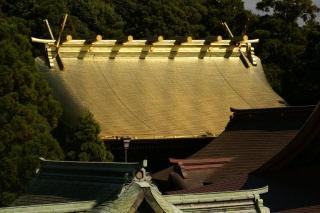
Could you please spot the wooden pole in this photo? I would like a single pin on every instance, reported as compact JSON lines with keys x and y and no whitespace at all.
{"x":228,"y":29}
{"x":49,"y":28}
{"x":62,"y":28}
{"x":44,"y":41}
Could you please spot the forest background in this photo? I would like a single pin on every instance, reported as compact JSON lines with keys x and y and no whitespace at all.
{"x":29,"y":114}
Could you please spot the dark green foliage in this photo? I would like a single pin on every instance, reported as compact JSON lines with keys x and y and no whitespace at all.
{"x":84,"y":143}
{"x":289,"y":51}
{"x":290,"y":10}
{"x":28,"y":112}
{"x":230,"y":11}
{"x":97,"y":16}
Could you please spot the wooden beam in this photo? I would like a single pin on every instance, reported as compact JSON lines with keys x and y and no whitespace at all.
{"x":244,"y":59}
{"x":60,"y":63}
{"x":227,"y":29}
{"x":61,"y":30}
{"x":42,"y":41}
{"x":49,"y":29}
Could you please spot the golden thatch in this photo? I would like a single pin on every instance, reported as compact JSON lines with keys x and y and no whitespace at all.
{"x":163,"y":89}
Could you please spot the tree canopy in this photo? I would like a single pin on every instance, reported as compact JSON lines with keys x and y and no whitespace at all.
{"x":84,"y":144}
{"x":28,"y":112}
{"x":290,"y":10}
{"x":289,"y":52}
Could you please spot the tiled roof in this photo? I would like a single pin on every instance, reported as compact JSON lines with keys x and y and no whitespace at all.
{"x":289,"y":191}
{"x":195,"y":169}
{"x":251,"y":138}
{"x":143,"y":196}
{"x":303,"y":150}
{"x":294,"y":173}
{"x":227,"y":201}
{"x":59,"y":182}
{"x":133,"y":196}
{"x":157,"y":151}
{"x":63,"y":186}
{"x":285,"y":141}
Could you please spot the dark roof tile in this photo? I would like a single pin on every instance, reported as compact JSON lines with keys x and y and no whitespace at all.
{"x":63,"y":181}
{"x":251,"y":138}
{"x":279,"y":138}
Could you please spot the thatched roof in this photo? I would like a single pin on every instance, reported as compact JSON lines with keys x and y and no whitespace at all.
{"x":162,"y":89}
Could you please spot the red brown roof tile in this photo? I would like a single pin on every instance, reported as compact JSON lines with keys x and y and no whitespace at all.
{"x":252,"y":137}
{"x":278,"y":147}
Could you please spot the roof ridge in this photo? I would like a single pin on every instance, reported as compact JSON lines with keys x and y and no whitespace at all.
{"x":46,"y":161}
{"x":261,"y":190}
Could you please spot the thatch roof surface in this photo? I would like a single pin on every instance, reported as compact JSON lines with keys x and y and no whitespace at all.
{"x":161,"y":97}
{"x":163,"y":89}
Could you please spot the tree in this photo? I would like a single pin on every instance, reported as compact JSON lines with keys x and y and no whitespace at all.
{"x":84,"y":143}
{"x":98,"y":16}
{"x":224,"y":11}
{"x":286,"y":49}
{"x":290,"y":10}
{"x":28,"y":112}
